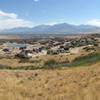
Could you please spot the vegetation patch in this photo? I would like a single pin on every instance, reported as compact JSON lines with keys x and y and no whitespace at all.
{"x":86,"y":60}
{"x":24,"y":60}
{"x":53,"y":63}
{"x":4,"y":66}
{"x":77,"y":62}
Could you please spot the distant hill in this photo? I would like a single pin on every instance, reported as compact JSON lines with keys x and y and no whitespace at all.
{"x":63,"y":28}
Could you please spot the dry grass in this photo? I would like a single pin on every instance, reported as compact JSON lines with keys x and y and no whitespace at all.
{"x":66,"y":84}
{"x":38,"y":61}
{"x":80,"y":83}
{"x":47,"y":61}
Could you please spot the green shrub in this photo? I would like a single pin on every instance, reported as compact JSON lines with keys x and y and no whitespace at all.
{"x":50,"y":63}
{"x":86,"y":60}
{"x":4,"y":67}
{"x":24,"y":60}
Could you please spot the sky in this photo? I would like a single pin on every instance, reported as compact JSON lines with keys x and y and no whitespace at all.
{"x":29,"y":13}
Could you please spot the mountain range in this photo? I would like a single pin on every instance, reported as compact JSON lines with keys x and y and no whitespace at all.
{"x":63,"y":28}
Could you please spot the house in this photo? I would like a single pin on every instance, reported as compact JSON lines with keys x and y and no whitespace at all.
{"x":52,"y":52}
{"x":6,"y":50}
{"x":24,"y":54}
{"x":37,"y":50}
{"x":44,"y":52}
{"x":89,"y":48}
{"x":22,"y":48}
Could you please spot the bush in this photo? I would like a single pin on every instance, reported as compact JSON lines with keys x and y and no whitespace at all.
{"x":4,"y":67}
{"x":24,"y":60}
{"x":86,"y":60}
{"x":50,"y":63}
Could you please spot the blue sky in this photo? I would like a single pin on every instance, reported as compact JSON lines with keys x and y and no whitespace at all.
{"x":28,"y":13}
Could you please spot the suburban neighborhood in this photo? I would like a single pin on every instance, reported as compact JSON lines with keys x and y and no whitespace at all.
{"x":50,"y":46}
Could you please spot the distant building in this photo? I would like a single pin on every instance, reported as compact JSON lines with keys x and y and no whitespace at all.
{"x":24,"y":54}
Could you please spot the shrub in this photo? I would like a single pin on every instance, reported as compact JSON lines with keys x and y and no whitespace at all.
{"x":50,"y":63}
{"x":25,"y":60}
{"x":86,"y":60}
{"x":4,"y":67}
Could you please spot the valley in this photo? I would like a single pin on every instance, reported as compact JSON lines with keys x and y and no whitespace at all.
{"x":50,"y":68}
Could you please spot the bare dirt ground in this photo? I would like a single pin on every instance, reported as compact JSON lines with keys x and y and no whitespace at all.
{"x":9,"y":37}
{"x":81,"y":83}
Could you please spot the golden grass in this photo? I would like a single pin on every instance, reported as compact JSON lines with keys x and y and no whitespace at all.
{"x":37,"y":62}
{"x":65,"y":84}
{"x":40,"y":60}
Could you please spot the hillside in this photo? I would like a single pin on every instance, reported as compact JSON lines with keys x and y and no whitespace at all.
{"x":81,"y":83}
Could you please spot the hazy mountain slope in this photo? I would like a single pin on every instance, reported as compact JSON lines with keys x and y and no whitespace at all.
{"x":57,"y":28}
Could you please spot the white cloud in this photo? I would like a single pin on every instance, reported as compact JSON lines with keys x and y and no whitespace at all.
{"x":36,"y":0}
{"x":11,"y":20}
{"x":95,"y":22}
{"x":9,"y":15}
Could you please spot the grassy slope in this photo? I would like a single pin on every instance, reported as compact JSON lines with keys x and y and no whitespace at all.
{"x":77,"y":83}
{"x":80,"y":83}
{"x":49,"y":62}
